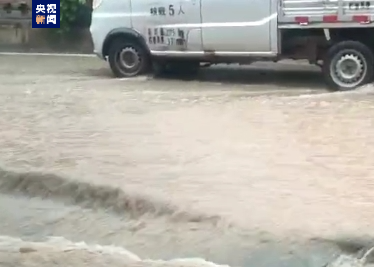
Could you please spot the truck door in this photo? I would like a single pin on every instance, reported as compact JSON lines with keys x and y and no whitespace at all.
{"x":168,"y":25}
{"x":237,"y":25}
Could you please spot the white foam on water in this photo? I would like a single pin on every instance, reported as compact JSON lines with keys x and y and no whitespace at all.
{"x":142,"y":78}
{"x":187,"y":262}
{"x":365,"y":89}
{"x":351,"y":260}
{"x":55,"y":249}
{"x":8,"y":243}
{"x":60,"y":244}
{"x":368,"y":88}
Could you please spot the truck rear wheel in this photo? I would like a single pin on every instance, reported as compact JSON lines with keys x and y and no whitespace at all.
{"x":127,"y":58}
{"x":348,"y":64}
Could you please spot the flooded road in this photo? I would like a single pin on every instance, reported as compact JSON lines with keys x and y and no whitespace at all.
{"x":247,"y":166}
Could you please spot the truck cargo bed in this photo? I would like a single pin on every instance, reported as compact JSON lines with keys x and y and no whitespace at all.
{"x":326,"y":13}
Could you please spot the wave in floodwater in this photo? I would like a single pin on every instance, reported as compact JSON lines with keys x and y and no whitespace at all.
{"x":363,"y":90}
{"x":57,"y":251}
{"x":86,"y":195}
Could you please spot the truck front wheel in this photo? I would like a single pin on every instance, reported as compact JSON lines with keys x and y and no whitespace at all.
{"x":127,"y":58}
{"x":347,"y":65}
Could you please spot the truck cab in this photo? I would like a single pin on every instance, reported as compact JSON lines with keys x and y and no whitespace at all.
{"x":137,"y":36}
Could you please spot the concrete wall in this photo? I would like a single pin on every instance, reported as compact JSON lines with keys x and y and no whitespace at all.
{"x":17,"y":38}
{"x":16,"y":34}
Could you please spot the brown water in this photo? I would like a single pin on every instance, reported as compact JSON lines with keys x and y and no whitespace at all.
{"x":234,"y":173}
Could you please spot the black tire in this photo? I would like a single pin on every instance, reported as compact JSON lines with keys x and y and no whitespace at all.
{"x":342,"y":49}
{"x":117,"y":64}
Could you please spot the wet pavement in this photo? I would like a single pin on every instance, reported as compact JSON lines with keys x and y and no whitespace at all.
{"x":244,"y":166}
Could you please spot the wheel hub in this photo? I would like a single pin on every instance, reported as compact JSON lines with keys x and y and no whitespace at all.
{"x":129,"y":58}
{"x":349,"y":70}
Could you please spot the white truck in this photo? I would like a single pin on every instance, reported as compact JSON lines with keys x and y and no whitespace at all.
{"x":166,"y":35}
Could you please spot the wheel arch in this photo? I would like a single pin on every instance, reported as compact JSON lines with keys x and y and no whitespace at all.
{"x":363,"y":35}
{"x":125,"y":33}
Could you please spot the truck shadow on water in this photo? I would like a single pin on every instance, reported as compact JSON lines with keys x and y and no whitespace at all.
{"x":290,"y":77}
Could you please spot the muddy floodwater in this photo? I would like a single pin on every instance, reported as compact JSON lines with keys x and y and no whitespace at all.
{"x":251,"y":166}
